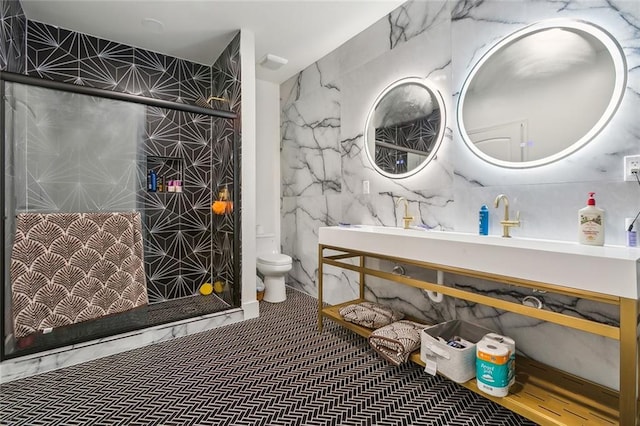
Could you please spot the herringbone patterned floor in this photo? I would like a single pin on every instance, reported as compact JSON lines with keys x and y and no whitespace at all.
{"x":274,"y":370}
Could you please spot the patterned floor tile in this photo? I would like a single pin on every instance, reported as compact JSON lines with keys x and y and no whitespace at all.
{"x":273,"y":370}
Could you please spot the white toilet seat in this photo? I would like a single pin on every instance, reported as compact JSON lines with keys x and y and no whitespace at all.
{"x":274,"y":259}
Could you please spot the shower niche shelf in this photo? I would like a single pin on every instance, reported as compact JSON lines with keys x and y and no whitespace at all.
{"x":541,"y":393}
{"x":167,"y":169}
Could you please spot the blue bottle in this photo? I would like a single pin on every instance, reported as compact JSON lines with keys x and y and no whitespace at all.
{"x":153,"y":181}
{"x":483,"y":220}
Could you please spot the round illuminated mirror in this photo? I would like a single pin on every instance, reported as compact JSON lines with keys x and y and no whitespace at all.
{"x":404,"y":127}
{"x":541,"y":93}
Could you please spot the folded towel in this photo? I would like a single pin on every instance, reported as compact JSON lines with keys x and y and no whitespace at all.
{"x":73,"y":267}
{"x":396,"y":341}
{"x":370,"y":314}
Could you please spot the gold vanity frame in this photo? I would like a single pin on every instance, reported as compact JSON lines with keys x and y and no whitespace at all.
{"x":543,"y":394}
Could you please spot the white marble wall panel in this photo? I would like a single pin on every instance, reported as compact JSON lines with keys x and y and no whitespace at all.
{"x":340,"y":285}
{"x":412,"y":301}
{"x":310,"y":156}
{"x":564,"y":348}
{"x":442,"y":40}
{"x":305,"y":84}
{"x":311,"y":147}
{"x":548,"y":211}
{"x":592,"y":357}
{"x":301,"y":218}
{"x":421,"y":56}
{"x":402,"y":25}
{"x":42,"y":362}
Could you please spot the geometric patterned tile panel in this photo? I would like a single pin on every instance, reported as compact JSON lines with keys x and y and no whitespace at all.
{"x":273,"y":370}
{"x":159,"y":74}
{"x":52,"y":53}
{"x":417,"y":135}
{"x":194,"y":81}
{"x":226,"y":155}
{"x":226,"y":77}
{"x":179,"y":225}
{"x":61,"y":163}
{"x":186,"y":246}
{"x":391,"y":160}
{"x":12,"y":36}
{"x":108,"y":65}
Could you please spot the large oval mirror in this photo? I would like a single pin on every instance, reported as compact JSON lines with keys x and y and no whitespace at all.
{"x":541,"y":93}
{"x":404,"y":127}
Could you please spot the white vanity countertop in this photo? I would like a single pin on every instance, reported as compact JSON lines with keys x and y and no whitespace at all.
{"x":612,"y":270}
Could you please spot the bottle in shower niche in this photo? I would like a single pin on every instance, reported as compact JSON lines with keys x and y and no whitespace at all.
{"x":152,"y":181}
{"x":483,"y":220}
{"x":591,"y":223}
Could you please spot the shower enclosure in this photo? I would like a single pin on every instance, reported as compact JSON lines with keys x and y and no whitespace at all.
{"x":74,"y":149}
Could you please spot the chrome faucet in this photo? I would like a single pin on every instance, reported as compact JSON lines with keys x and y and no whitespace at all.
{"x":506,"y":223}
{"x":406,"y":218}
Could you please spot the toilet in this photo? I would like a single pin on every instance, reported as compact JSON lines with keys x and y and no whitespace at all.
{"x":274,"y":266}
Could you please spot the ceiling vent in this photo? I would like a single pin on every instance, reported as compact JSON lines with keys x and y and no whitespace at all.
{"x":272,"y":62}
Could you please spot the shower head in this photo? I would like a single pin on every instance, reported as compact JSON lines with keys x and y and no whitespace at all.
{"x":201,"y":102}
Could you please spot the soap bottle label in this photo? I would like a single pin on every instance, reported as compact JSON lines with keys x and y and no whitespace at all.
{"x":591,"y":227}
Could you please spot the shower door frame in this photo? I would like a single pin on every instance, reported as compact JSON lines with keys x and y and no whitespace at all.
{"x":126,"y":97}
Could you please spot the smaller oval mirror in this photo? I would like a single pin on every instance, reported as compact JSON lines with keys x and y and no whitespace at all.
{"x":541,"y":93}
{"x":404,"y":127}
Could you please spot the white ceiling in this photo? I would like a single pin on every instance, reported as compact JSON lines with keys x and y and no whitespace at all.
{"x":301,"y":31}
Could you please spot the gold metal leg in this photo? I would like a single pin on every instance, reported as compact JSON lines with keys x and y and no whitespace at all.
{"x":362,"y":277}
{"x":628,"y":362}
{"x":320,"y":249}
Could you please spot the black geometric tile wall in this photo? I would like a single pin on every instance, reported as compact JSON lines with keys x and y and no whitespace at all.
{"x":63,"y":55}
{"x":226,"y":80}
{"x":226,"y":76}
{"x":12,"y":36}
{"x":186,"y":244}
{"x":178,"y":250}
{"x":419,"y":135}
{"x":391,"y":160}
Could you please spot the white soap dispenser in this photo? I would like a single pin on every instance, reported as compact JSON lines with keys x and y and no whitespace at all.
{"x":591,"y":223}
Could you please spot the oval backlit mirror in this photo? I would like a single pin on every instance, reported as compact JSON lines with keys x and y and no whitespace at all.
{"x":541,"y":93}
{"x":404,"y":127}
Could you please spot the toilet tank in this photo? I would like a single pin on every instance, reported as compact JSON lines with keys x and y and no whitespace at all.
{"x":266,"y":243}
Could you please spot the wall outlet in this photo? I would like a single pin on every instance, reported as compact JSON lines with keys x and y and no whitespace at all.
{"x":631,"y":163}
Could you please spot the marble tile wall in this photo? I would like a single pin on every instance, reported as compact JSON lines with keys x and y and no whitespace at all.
{"x":323,"y":163}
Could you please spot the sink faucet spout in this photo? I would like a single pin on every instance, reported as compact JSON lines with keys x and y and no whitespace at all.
{"x":506,"y":223}
{"x":504,"y":198}
{"x":407,"y":219}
